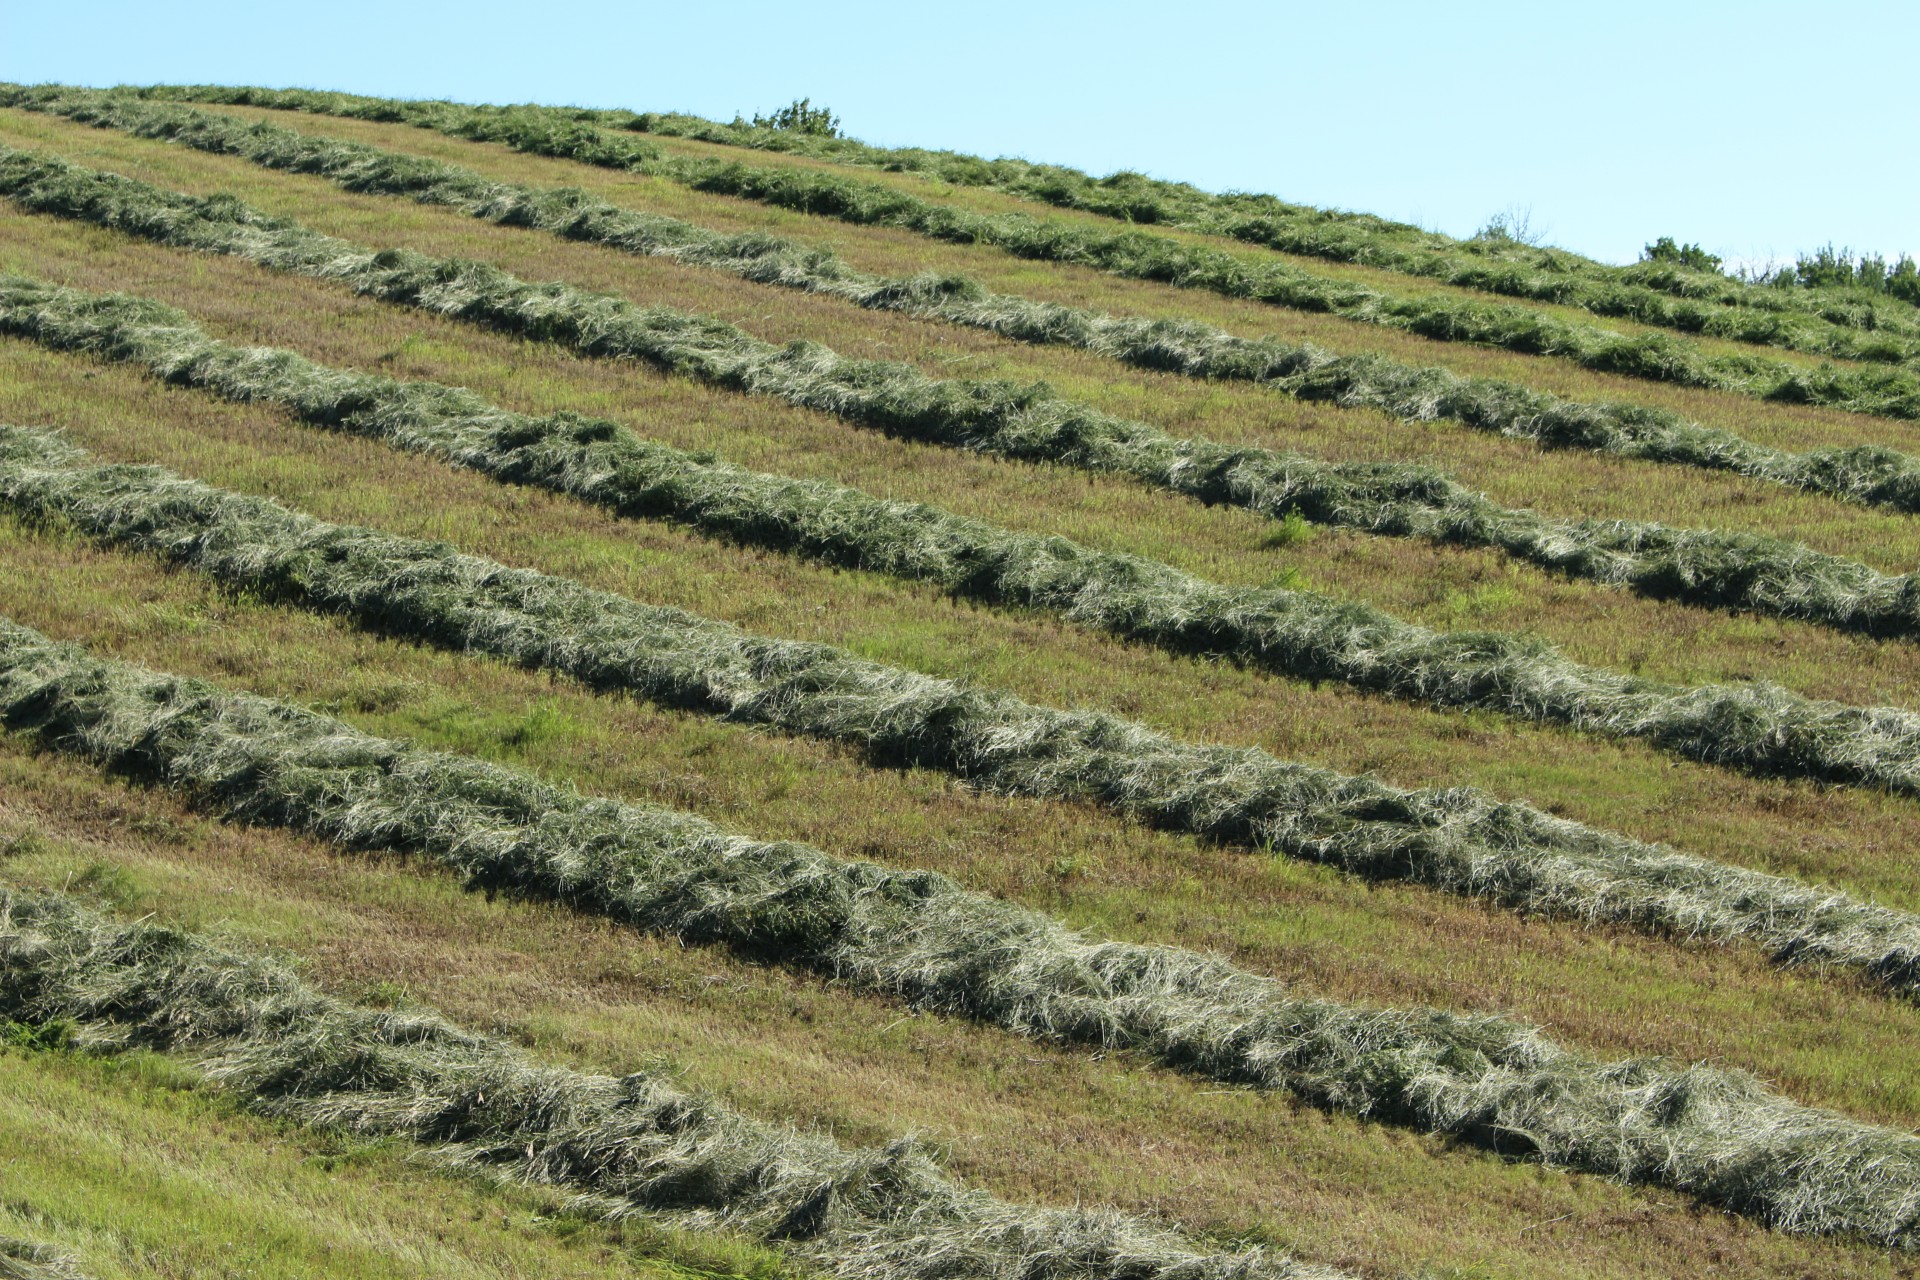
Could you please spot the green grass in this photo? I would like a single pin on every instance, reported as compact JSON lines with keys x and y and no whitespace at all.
{"x":637,"y":1146}
{"x":124,"y":1165}
{"x":1318,"y":726}
{"x":1234,"y":414}
{"x":920,"y":937}
{"x":1027,"y":423}
{"x":1272,"y":917}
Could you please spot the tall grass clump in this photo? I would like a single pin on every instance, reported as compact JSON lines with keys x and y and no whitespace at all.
{"x":636,"y":1143}
{"x":1458,"y":840}
{"x":1029,"y":423}
{"x":1135,"y":254}
{"x":1867,"y":474}
{"x":1292,"y":632}
{"x":1704,"y":1130}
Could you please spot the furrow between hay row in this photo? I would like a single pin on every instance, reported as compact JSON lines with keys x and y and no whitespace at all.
{"x":1867,"y":474}
{"x":1458,"y":840}
{"x":1027,"y":423}
{"x":1298,"y":633}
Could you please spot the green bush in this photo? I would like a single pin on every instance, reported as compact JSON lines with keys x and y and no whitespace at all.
{"x":1691,"y":256}
{"x":1828,"y":267}
{"x":801,"y":116}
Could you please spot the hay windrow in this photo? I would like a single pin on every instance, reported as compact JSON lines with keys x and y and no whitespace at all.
{"x":35,"y":1260}
{"x":1702,"y":566}
{"x":1866,"y":474}
{"x":621,"y":1145}
{"x":1891,"y":390}
{"x":1459,"y":840}
{"x":1302,"y":634}
{"x":1704,"y":1130}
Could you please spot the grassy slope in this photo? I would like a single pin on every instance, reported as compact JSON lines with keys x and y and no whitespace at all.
{"x":122,"y":414}
{"x":1369,"y":1195}
{"x":1619,"y":786}
{"x":1389,"y":943}
{"x":1350,"y":731}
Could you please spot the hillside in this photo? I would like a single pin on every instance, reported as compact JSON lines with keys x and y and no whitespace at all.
{"x":1269,"y":742}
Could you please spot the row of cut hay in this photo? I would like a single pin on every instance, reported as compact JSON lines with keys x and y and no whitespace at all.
{"x":1661,"y":293}
{"x":1704,"y":1130}
{"x":1866,"y":474}
{"x":1298,"y":633}
{"x":1143,"y":255}
{"x":621,"y":1145}
{"x":1701,"y":566}
{"x":34,"y":1260}
{"x":1458,"y":840}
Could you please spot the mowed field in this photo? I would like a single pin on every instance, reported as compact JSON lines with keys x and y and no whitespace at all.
{"x":226,"y":1192}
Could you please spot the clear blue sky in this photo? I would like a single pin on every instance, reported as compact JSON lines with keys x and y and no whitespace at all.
{"x":1758,"y":129}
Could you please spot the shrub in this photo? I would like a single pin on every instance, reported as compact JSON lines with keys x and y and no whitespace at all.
{"x":1512,"y":226}
{"x":801,"y":116}
{"x":1688,"y":255}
